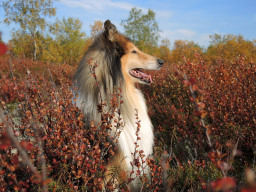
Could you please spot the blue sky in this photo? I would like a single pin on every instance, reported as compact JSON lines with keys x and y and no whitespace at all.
{"x":192,"y":20}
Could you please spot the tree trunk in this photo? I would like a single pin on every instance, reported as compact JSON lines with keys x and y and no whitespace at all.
{"x":35,"y":45}
{"x":34,"y":32}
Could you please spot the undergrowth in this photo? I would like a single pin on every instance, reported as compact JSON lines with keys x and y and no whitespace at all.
{"x":203,"y":116}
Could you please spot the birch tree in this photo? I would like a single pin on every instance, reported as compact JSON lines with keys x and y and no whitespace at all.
{"x":30,"y":15}
{"x":142,"y":28}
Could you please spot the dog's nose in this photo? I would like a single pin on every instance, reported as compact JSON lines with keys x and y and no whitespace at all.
{"x":160,"y":62}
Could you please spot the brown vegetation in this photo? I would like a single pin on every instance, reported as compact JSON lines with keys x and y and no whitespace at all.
{"x":202,"y":107}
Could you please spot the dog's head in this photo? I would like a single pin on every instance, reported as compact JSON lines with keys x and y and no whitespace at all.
{"x":133,"y":61}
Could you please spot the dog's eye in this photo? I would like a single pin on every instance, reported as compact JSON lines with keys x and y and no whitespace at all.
{"x":134,"y":51}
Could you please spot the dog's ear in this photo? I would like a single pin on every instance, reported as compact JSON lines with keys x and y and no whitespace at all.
{"x":110,"y":30}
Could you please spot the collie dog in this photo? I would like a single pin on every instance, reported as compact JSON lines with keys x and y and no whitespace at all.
{"x":120,"y":64}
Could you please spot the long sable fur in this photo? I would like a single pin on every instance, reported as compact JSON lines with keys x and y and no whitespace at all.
{"x":105,"y":55}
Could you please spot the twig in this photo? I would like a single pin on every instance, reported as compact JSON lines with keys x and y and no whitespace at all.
{"x":10,"y":65}
{"x":42,"y":159}
{"x":18,"y":146}
{"x":53,"y":85}
{"x":23,"y":153}
{"x":196,"y":106}
{"x":165,"y":167}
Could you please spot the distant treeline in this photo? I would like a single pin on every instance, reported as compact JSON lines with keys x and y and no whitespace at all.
{"x":64,"y":42}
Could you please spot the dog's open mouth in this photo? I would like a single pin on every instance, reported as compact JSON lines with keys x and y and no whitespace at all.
{"x":139,"y":74}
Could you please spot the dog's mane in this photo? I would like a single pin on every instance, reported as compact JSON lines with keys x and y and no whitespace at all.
{"x":105,"y":56}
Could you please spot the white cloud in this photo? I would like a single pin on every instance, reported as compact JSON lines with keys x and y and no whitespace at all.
{"x":184,"y":34}
{"x":97,"y":5}
{"x":118,"y":5}
{"x":203,"y":40}
{"x":100,"y":5}
{"x":163,"y":14}
{"x":178,"y":34}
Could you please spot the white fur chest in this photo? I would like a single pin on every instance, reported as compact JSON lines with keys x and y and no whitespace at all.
{"x":134,"y":102}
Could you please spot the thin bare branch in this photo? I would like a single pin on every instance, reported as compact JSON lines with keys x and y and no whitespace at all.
{"x":16,"y":144}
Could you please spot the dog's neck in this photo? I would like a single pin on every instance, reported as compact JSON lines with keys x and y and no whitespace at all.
{"x":135,"y":117}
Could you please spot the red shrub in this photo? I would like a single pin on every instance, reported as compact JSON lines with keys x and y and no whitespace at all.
{"x":203,"y":114}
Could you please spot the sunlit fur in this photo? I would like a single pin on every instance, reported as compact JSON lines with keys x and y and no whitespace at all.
{"x":115,"y":55}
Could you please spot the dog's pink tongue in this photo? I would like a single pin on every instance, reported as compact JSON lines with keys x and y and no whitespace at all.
{"x":145,"y":76}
